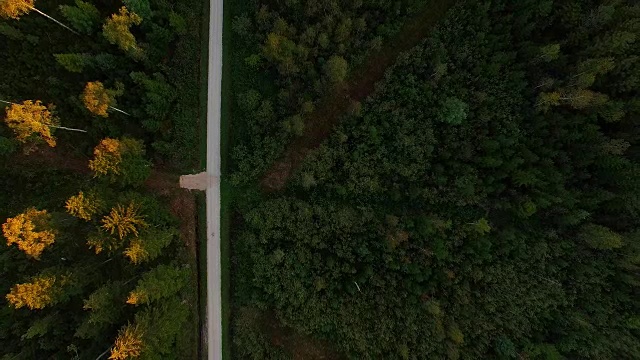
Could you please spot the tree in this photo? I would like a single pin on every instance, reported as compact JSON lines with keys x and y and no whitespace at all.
{"x":121,"y":160}
{"x":15,"y":8}
{"x":104,"y":303}
{"x":600,"y":237}
{"x":42,"y":291}
{"x":31,"y":231}
{"x":148,"y":245}
{"x":336,"y":69}
{"x":73,"y":62}
{"x":549,"y":52}
{"x":453,"y":111}
{"x":98,"y":100}
{"x":31,"y":120}
{"x":124,"y":221}
{"x":128,"y":344}
{"x":117,"y":30}
{"x":84,"y":206}
{"x":84,"y":16}
{"x":160,"y":282}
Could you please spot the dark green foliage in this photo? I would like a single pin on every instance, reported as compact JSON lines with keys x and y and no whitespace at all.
{"x":336,"y":69}
{"x":162,"y":282}
{"x":84,"y":17}
{"x":482,"y":204}
{"x":292,"y":53}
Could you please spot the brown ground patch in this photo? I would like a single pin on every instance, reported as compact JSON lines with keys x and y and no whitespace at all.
{"x":319,"y":124}
{"x":58,"y":157}
{"x":300,"y":347}
{"x":182,"y":203}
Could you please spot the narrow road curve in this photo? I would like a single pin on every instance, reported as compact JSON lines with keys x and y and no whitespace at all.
{"x":214,"y":93}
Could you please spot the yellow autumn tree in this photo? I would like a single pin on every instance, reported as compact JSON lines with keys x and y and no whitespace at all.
{"x":30,"y":231}
{"x":83,"y":206}
{"x":121,"y":160}
{"x":31,"y":119}
{"x":117,"y":29}
{"x":128,"y":344}
{"x":40,"y":292}
{"x":107,"y":157}
{"x":13,"y":9}
{"x":97,"y":99}
{"x":136,"y":253}
{"x":124,"y":221}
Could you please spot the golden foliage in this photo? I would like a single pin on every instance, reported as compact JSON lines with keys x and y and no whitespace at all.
{"x":136,"y":251}
{"x":128,"y":344}
{"x":97,"y":99}
{"x":123,"y":220}
{"x":30,"y":118}
{"x":15,"y":8}
{"x":36,"y":294}
{"x":83,"y":207}
{"x":117,"y":29}
{"x":107,"y":157}
{"x":137,"y":297}
{"x":23,"y":230}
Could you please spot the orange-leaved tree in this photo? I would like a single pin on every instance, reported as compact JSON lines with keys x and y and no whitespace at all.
{"x":124,"y":221}
{"x":41,"y":291}
{"x":98,"y":99}
{"x":13,"y":9}
{"x":128,"y":344}
{"x":107,"y":157}
{"x":117,"y":30}
{"x":31,"y":231}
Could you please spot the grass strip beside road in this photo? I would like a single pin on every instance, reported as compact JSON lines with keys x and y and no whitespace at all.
{"x":225,"y":186}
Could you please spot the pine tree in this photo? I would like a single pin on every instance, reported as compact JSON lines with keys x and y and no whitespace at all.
{"x":104,"y":303}
{"x":160,"y":282}
{"x":73,"y":62}
{"x":124,"y":221}
{"x":148,"y":245}
{"x":31,"y":231}
{"x":84,"y":16}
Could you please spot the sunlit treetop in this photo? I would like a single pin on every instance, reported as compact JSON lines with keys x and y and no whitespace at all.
{"x":97,"y":99}
{"x":124,"y":221}
{"x":128,"y":344}
{"x":37,"y":294}
{"x":117,"y":29}
{"x":31,"y":119}
{"x":15,"y":8}
{"x":30,"y":231}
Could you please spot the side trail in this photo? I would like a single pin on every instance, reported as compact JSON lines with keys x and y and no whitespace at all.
{"x":320,"y":123}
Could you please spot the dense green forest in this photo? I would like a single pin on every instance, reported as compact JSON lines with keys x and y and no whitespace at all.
{"x":99,"y":107}
{"x":481,"y":203}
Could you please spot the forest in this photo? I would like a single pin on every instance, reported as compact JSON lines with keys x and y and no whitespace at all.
{"x":481,"y":201}
{"x":99,"y":114}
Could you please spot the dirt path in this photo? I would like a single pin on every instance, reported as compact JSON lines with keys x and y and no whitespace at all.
{"x":320,"y":123}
